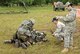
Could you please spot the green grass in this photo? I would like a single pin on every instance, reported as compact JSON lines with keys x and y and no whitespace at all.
{"x":7,"y":9}
{"x":42,"y":15}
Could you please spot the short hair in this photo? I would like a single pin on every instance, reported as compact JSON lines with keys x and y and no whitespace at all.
{"x":70,"y":5}
{"x":54,"y":19}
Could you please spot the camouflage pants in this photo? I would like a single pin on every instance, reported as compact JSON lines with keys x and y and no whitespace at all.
{"x":59,"y":36}
{"x":68,"y":39}
{"x":23,"y":38}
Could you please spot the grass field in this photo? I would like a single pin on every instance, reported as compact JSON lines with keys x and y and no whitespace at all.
{"x":42,"y":15}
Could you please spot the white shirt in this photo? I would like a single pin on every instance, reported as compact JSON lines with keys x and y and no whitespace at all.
{"x":60,"y":28}
{"x":60,"y":24}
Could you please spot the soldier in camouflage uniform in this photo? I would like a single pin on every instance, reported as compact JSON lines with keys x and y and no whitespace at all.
{"x":59,"y":6}
{"x":59,"y":32}
{"x":67,"y":3}
{"x":70,"y":26}
{"x":38,"y":36}
{"x":26,"y":35}
{"x":23,"y":35}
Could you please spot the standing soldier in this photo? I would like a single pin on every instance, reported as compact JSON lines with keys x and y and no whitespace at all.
{"x":70,"y":26}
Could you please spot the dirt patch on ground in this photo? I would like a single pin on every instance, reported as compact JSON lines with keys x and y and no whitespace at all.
{"x":77,"y":6}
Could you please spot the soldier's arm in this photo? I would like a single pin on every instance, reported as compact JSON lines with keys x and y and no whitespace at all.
{"x":28,"y":33}
{"x":68,"y":18}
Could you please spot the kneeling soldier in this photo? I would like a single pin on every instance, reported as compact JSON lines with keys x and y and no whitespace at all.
{"x":59,"y":33}
{"x":23,"y":34}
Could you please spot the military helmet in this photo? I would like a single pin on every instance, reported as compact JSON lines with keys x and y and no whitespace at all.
{"x":67,"y":3}
{"x":27,"y":24}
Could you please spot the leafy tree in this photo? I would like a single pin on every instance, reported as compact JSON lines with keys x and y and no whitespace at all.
{"x":39,"y":2}
{"x":34,"y":2}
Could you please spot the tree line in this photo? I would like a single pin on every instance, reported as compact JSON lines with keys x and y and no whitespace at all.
{"x":32,"y":2}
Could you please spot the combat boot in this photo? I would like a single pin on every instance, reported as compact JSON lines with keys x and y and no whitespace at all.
{"x":8,"y":41}
{"x":44,"y":40}
{"x":65,"y":50}
{"x":27,"y":43}
{"x":17,"y":43}
{"x":23,"y":45}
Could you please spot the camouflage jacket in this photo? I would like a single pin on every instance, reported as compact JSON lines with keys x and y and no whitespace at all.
{"x":60,"y":4}
{"x":69,"y":20}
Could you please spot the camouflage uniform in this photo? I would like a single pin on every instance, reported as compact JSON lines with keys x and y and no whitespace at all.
{"x":59,"y":33}
{"x":26,"y":35}
{"x":38,"y":36}
{"x":70,"y":26}
{"x":59,"y":6}
{"x":24,"y":31}
{"x":23,"y":34}
{"x":67,"y":3}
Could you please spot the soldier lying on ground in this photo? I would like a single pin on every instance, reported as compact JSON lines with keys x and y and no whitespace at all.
{"x":26,"y":35}
{"x":38,"y":36}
